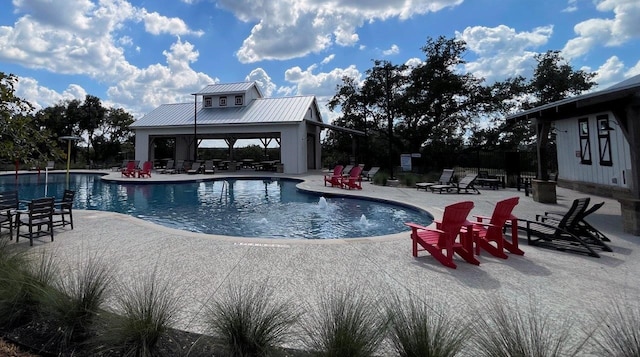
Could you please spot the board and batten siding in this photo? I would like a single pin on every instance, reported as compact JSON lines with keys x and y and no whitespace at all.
{"x":569,"y":159}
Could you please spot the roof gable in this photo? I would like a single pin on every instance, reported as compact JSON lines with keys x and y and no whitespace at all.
{"x":229,"y":88}
{"x":259,"y":111}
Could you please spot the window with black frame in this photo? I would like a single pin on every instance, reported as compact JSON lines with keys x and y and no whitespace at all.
{"x":585,"y":143}
{"x":604,"y":140}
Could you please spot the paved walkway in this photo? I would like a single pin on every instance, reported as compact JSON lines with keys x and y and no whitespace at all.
{"x":200,"y":266}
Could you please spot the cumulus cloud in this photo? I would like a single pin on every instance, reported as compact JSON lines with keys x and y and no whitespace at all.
{"x":263,"y":80}
{"x":81,"y":37}
{"x":502,"y":51}
{"x":615,"y":31}
{"x":394,"y":50}
{"x":41,"y":97}
{"x":293,"y":28}
{"x":572,"y":6}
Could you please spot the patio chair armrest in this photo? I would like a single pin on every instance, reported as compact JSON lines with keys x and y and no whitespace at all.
{"x":481,"y":218}
{"x":415,"y":225}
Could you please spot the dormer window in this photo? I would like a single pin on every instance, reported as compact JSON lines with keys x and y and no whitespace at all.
{"x":223,"y":101}
{"x":238,"y":100}
{"x":208,"y":102}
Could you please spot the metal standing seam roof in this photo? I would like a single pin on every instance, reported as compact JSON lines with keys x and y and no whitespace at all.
{"x":623,"y":88}
{"x":227,"y":88}
{"x":263,"y":110}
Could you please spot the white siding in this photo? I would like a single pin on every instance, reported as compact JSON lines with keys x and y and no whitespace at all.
{"x":568,"y":143}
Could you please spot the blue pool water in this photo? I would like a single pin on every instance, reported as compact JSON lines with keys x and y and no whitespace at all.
{"x":267,"y":208}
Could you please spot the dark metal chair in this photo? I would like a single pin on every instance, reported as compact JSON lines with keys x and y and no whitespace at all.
{"x":38,"y":215}
{"x":8,"y":207}
{"x":64,"y":209}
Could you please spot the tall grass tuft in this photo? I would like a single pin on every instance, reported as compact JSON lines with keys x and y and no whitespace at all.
{"x":347,"y":323}
{"x":77,"y":299}
{"x":147,"y":311}
{"x":618,"y":334}
{"x":416,"y":329}
{"x":250,"y":321}
{"x":503,"y":329}
{"x":23,"y":279}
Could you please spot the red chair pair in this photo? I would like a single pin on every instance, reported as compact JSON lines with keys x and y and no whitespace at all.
{"x":486,"y":233}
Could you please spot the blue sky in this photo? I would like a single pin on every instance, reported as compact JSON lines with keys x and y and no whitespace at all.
{"x":140,"y":54}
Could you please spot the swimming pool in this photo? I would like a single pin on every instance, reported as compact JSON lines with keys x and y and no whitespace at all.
{"x":266,"y":208}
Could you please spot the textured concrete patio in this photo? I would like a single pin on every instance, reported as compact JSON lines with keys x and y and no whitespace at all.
{"x":200,"y":266}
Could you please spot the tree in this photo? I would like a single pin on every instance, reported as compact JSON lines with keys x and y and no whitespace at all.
{"x":554,"y":79}
{"x":91,"y":118}
{"x":22,"y":139}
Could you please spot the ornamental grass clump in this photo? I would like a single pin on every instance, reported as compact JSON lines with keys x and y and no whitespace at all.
{"x":346,"y":323}
{"x":249,"y":320}
{"x":23,"y":279}
{"x":504,"y":329}
{"x":76,"y":300}
{"x":146,"y":311}
{"x":618,"y":333}
{"x":417,"y":329}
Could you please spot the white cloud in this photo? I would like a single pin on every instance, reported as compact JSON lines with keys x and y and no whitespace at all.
{"x":624,"y":26}
{"x":263,"y":80}
{"x":609,"y":73}
{"x":157,"y":24}
{"x":288,"y":29}
{"x":502,"y":51}
{"x":572,"y":6}
{"x":41,"y":97}
{"x":394,"y":50}
{"x":635,"y":70}
{"x":146,"y":88}
{"x":328,"y":59}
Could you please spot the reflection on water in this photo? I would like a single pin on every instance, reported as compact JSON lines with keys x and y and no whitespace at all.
{"x":249,"y":208}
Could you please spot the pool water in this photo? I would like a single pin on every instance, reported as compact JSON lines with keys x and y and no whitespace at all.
{"x":266,"y":208}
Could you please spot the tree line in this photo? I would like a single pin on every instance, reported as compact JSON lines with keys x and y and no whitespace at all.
{"x":435,"y":108}
{"x":31,"y":137}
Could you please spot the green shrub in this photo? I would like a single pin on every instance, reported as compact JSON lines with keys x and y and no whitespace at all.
{"x":147,"y":310}
{"x":503,"y":329}
{"x":76,"y":300}
{"x":249,"y":321}
{"x":416,"y":329}
{"x":380,"y":178}
{"x":346,"y":324}
{"x":618,"y":333}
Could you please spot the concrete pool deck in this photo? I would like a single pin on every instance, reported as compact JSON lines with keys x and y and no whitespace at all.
{"x":200,"y":266}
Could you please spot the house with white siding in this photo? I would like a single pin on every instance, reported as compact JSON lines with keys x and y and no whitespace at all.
{"x":598,"y":144}
{"x":235,"y":111}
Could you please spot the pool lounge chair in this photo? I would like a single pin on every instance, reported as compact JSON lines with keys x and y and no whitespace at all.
{"x":563,"y":234}
{"x":443,"y":237}
{"x":488,"y":232}
{"x":176,"y":168}
{"x":335,"y":177}
{"x":209,"y":167}
{"x":368,"y":175}
{"x":583,"y":227}
{"x":465,"y":184}
{"x":168,"y":167}
{"x":8,"y":206}
{"x":445,"y":178}
{"x":195,"y":168}
{"x":346,"y":170}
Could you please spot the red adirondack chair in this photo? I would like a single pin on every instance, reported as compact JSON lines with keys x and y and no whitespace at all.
{"x":443,"y":237}
{"x":146,"y":169}
{"x":130,"y":170}
{"x":353,"y":180}
{"x":334,"y":179}
{"x":490,"y":229}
